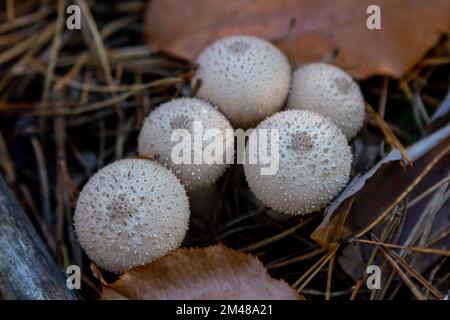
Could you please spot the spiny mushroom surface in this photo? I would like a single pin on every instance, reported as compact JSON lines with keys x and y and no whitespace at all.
{"x":130,"y":213}
{"x":247,"y":77}
{"x":331,"y":92}
{"x":182,"y":113}
{"x":314,"y":163}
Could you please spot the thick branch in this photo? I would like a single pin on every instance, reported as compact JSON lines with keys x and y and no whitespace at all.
{"x":27,"y":271}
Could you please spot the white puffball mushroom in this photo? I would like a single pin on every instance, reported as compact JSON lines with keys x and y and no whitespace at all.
{"x":314,"y":162}
{"x":246,"y":77}
{"x":331,"y":92}
{"x":183,"y":114}
{"x":131,"y":213}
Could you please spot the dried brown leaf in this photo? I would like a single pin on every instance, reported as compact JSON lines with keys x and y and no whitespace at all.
{"x":384,"y":184}
{"x":409,"y":28}
{"x":377,"y":192}
{"x":215,"y":272}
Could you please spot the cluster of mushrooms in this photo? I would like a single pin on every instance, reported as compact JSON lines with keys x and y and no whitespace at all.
{"x":134,"y":211}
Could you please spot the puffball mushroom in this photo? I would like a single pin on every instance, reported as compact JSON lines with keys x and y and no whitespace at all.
{"x":184,"y":113}
{"x":247,"y":77}
{"x":314,"y":163}
{"x":331,"y":92}
{"x":130,"y":213}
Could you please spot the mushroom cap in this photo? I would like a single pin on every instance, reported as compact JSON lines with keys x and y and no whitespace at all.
{"x":331,"y":92}
{"x":247,"y":77}
{"x":130,"y":213}
{"x":155,"y":137}
{"x":314,"y":163}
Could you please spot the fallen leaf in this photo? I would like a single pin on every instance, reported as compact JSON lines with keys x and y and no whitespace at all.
{"x":215,"y":272}
{"x":387,"y":184}
{"x":409,"y":28}
{"x":434,"y":206}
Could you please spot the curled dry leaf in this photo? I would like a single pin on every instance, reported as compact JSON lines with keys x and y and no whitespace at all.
{"x":387,"y":185}
{"x":215,"y":272}
{"x":409,"y":28}
{"x":383,"y":184}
